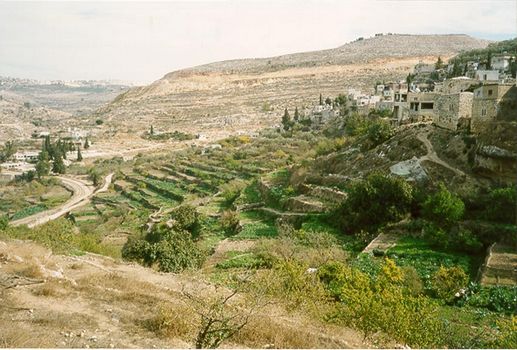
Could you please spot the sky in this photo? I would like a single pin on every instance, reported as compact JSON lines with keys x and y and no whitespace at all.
{"x":140,"y":42}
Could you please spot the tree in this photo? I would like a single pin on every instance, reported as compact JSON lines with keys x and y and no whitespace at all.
{"x":79,"y":155}
{"x":373,"y":202}
{"x":59,"y":166}
{"x":328,"y":101}
{"x":439,"y":63}
{"x":489,"y":60}
{"x":94,"y":176}
{"x":443,"y":206}
{"x":379,"y":131}
{"x":296,"y":114}
{"x":151,"y":132}
{"x":42,"y":167}
{"x":321,"y":100}
{"x":456,"y":69}
{"x":86,"y":144}
{"x":8,"y":150}
{"x":171,"y":249}
{"x":286,"y":120}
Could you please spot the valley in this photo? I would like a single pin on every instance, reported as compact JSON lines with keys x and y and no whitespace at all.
{"x":312,"y":200}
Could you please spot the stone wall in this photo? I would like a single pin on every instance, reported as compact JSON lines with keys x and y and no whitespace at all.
{"x":453,"y":111}
{"x":484,"y":112}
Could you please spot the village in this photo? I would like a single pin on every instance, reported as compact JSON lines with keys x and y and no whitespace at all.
{"x":437,"y":94}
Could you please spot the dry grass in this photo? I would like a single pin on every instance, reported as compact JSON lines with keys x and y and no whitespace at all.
{"x":32,"y":270}
{"x":14,"y":335}
{"x":263,"y":331}
{"x":172,"y":321}
{"x":53,"y":288}
{"x":64,"y":320}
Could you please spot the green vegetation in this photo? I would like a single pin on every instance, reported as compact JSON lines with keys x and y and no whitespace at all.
{"x":169,"y":245}
{"x":374,"y":202}
{"x":240,"y":203}
{"x":60,"y":236}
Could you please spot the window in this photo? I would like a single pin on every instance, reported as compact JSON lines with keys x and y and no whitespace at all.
{"x":483,"y":112}
{"x":451,"y":108}
{"x":427,"y":105}
{"x":490,"y":92}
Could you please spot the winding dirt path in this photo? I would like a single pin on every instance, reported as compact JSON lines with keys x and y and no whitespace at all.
{"x":433,"y":156}
{"x":81,"y":195}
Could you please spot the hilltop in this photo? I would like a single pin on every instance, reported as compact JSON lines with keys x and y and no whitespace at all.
{"x":248,"y":94}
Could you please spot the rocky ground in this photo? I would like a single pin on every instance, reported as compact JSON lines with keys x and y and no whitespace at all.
{"x":92,"y":301}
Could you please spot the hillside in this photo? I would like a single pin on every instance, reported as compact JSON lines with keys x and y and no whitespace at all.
{"x":247,"y":94}
{"x":30,"y":105}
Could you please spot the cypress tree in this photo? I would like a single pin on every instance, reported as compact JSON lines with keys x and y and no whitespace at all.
{"x":286,"y":120}
{"x":79,"y":155}
{"x":296,"y":114}
{"x":86,"y":144}
{"x":321,"y":100}
{"x":59,"y":166}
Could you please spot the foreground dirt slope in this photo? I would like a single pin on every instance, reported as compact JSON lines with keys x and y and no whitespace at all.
{"x":251,"y":93}
{"x":92,"y":301}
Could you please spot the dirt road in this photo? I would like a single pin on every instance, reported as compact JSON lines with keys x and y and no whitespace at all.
{"x":81,"y":194}
{"x":433,"y":157}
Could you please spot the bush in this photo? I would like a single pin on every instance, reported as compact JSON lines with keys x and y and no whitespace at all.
{"x":495,"y":298}
{"x":170,"y":248}
{"x":381,"y":305}
{"x":506,"y":337}
{"x":500,"y":206}
{"x":379,"y":131}
{"x":411,"y":281}
{"x":457,"y":238}
{"x":231,"y":191}
{"x":186,"y":218}
{"x":443,"y":207}
{"x":4,"y":222}
{"x":327,"y":146}
{"x":374,"y":202}
{"x":230,"y":222}
{"x":447,"y":283}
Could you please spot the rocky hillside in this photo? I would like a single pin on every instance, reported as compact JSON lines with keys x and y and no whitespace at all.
{"x":251,"y":93}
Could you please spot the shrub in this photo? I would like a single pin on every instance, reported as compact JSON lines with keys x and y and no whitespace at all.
{"x":506,"y":337}
{"x":374,"y":202}
{"x":231,"y":191}
{"x":495,"y":298}
{"x":379,"y":131}
{"x":411,"y":281}
{"x":381,"y":305}
{"x":327,"y":146}
{"x":186,"y":218}
{"x":230,"y":222}
{"x":4,"y":222}
{"x":170,"y":248}
{"x":457,"y":238}
{"x":356,"y":125}
{"x":447,"y":282}
{"x":443,"y":207}
{"x":501,"y":205}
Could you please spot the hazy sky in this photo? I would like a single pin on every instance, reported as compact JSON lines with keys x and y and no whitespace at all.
{"x":142,"y":41}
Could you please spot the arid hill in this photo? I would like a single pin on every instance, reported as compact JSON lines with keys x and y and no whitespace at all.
{"x":247,"y":94}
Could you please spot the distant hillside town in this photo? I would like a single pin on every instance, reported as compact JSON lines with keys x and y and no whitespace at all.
{"x":468,"y":97}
